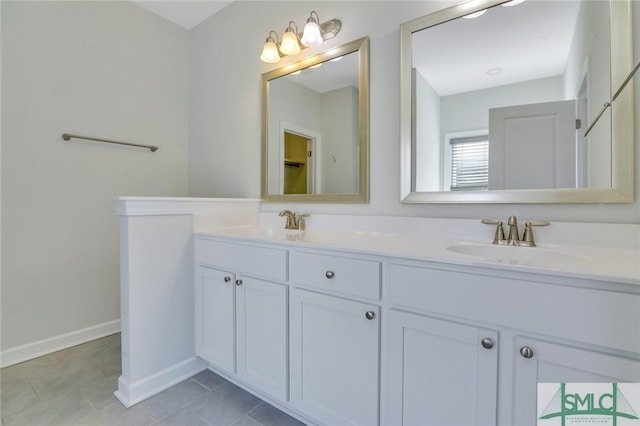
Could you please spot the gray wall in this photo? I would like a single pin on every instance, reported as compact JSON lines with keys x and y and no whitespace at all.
{"x":104,"y":69}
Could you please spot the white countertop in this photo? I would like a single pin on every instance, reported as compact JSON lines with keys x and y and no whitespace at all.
{"x":616,"y":265}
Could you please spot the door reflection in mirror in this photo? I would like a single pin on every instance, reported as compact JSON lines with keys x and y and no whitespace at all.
{"x":298,"y":164}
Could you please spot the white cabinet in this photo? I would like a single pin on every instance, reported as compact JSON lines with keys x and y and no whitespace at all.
{"x":441,"y":372}
{"x":241,"y":322}
{"x":537,"y":361}
{"x":334,"y":358}
{"x":262,"y":335}
{"x":338,"y":337}
{"x":335,"y":337}
{"x":215,"y":312}
{"x":549,"y":331}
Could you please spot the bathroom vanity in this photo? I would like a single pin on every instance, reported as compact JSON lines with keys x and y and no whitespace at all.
{"x":373,"y":320}
{"x":367,"y":328}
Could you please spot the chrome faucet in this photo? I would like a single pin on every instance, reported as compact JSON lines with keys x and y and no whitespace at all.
{"x":513,"y":238}
{"x":294,"y":221}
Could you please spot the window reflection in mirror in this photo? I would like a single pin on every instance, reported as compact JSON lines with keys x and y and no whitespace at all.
{"x":315,"y":127}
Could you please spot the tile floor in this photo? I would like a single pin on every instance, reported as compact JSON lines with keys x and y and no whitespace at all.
{"x":75,"y":387}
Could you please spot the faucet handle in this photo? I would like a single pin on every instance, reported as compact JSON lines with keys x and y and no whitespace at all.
{"x":527,"y":237}
{"x":300,"y":221}
{"x":499,"y":235}
{"x":538,"y":223}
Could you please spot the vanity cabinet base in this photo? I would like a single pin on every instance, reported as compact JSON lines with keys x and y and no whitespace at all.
{"x":241,"y":328}
{"x":347,"y":338}
{"x":441,"y":372}
{"x":335,"y":358}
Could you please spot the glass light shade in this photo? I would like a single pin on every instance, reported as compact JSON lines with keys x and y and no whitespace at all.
{"x":289,"y":45}
{"x":311,"y":36}
{"x":270,"y":52}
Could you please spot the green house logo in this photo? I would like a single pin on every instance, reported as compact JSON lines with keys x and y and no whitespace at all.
{"x":590,"y":403}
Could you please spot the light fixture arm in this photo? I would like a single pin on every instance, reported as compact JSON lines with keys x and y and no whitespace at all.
{"x":615,"y":96}
{"x":290,"y":27}
{"x":269,"y":38}
{"x":312,"y":19}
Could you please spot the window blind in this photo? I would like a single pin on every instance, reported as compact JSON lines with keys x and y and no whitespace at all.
{"x":470,"y":163}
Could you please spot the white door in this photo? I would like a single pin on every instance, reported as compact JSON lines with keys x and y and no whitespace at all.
{"x":335,"y":359}
{"x":553,"y":363}
{"x":215,"y":318}
{"x":533,"y":146}
{"x":441,"y":373}
{"x":262,"y":335}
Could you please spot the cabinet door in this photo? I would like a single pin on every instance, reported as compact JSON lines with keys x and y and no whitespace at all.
{"x":335,"y":359}
{"x":215,"y":317}
{"x":262,"y":335}
{"x":538,"y":361}
{"x":441,"y":373}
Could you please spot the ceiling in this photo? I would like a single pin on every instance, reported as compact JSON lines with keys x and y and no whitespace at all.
{"x":505,"y":45}
{"x":532,"y":30}
{"x":186,"y":13}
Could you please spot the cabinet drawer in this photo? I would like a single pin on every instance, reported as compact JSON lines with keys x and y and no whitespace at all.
{"x":339,"y":274}
{"x":598,"y":317}
{"x":264,"y":262}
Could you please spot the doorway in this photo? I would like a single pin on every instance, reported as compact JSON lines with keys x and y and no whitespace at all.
{"x":298,"y":163}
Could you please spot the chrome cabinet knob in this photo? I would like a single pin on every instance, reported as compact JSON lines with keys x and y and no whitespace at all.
{"x":329,"y":274}
{"x":526,"y":352}
{"x":238,"y":283}
{"x":370,"y":315}
{"x":227,"y":279}
{"x":487,"y":343}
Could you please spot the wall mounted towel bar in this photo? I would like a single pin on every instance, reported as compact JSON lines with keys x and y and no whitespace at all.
{"x":67,"y":136}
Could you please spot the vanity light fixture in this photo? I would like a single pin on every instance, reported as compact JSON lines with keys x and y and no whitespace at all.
{"x":270,"y":49}
{"x":311,"y":36}
{"x":290,"y":45}
{"x":292,"y":41}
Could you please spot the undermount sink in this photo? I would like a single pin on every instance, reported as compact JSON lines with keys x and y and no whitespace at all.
{"x":514,"y":254}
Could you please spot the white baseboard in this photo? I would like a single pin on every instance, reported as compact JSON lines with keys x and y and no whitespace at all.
{"x":132,"y":393}
{"x":53,"y":344}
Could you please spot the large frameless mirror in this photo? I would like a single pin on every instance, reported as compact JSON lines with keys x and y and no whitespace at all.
{"x":496,"y":98}
{"x":315,"y":127}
